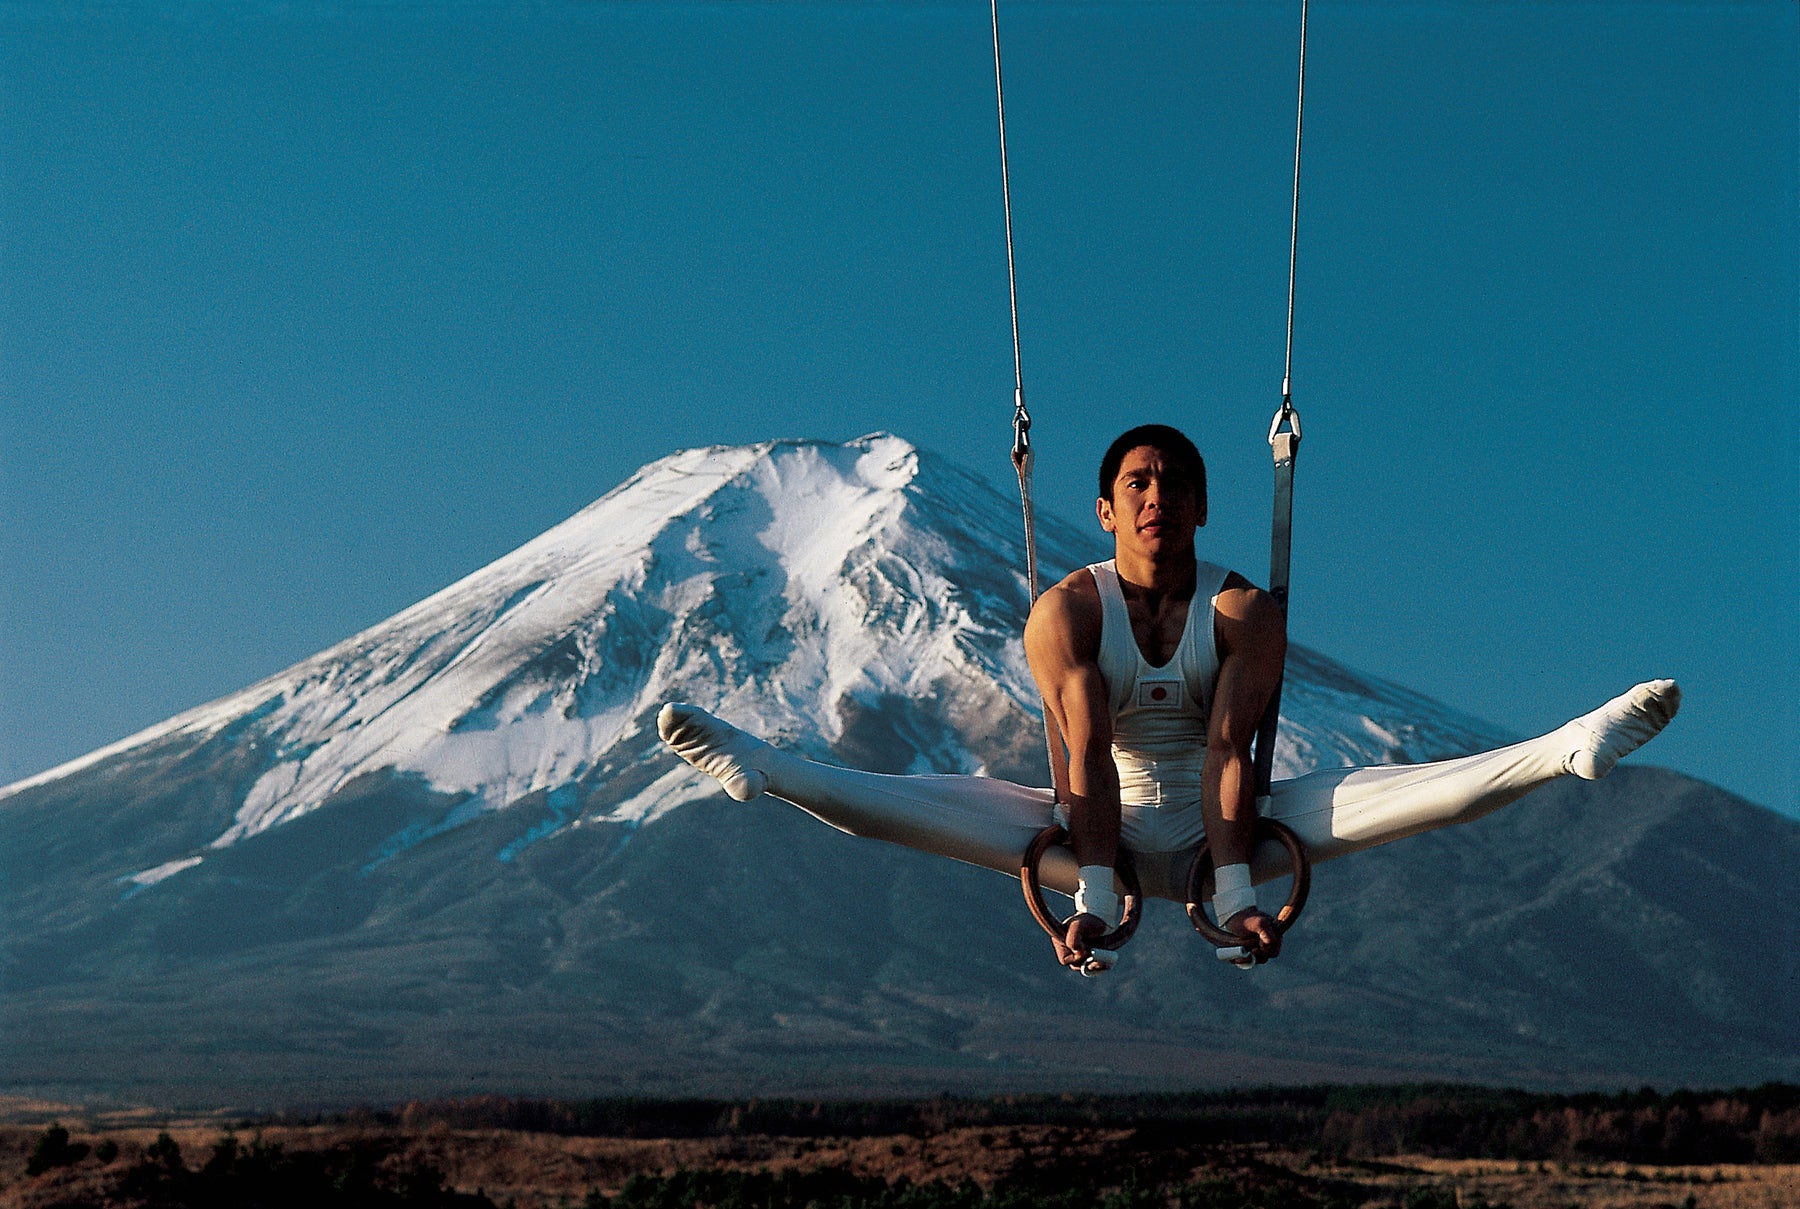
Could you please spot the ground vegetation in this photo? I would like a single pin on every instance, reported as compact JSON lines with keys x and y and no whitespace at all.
{"x":1325,"y":1148}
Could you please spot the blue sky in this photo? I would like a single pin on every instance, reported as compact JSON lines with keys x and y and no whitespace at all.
{"x":307,"y":310}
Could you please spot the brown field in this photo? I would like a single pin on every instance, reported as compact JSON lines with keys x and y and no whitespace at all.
{"x":532,"y":1170}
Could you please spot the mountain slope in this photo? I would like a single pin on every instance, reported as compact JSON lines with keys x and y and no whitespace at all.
{"x":448,"y":853}
{"x":813,"y":592}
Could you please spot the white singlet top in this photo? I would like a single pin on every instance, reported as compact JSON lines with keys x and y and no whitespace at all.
{"x":1159,"y":714}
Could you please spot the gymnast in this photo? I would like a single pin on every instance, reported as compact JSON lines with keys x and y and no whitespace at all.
{"x":1156,"y":667}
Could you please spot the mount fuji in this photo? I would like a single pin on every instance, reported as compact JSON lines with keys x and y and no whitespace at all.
{"x":449,"y":854}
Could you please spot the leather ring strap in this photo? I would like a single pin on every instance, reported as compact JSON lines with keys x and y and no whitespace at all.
{"x":1059,"y":929}
{"x":1266,"y":829}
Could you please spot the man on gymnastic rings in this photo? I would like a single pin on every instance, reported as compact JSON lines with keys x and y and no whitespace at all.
{"x":1157,"y":667}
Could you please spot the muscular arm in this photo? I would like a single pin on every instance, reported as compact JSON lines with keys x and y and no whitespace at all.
{"x":1062,"y":643}
{"x":1252,"y":645}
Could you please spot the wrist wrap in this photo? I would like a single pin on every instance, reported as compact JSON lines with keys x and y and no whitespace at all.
{"x":1095,"y":895}
{"x":1231,"y":891}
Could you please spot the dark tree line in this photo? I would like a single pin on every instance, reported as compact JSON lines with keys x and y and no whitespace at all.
{"x":1169,"y":1139}
{"x":262,"y":1175}
{"x":1754,"y":1125}
{"x":258,"y":1176}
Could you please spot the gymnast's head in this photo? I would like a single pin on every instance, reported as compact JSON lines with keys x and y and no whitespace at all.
{"x":1152,"y":487}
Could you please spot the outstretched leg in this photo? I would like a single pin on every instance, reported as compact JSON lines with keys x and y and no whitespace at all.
{"x":989,"y":822}
{"x":1343,"y":810}
{"x":981,"y":820}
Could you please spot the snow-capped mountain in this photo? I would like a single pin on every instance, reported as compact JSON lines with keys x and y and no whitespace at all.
{"x":449,"y":854}
{"x":791,"y":586}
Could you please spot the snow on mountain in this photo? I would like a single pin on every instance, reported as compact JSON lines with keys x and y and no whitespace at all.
{"x":793,"y":586}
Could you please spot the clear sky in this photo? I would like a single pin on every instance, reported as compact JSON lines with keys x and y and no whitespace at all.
{"x":307,"y":310}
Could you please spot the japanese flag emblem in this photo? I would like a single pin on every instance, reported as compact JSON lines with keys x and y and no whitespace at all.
{"x":1159,"y":694}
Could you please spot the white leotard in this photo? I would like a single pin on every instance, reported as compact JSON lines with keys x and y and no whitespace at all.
{"x":1159,"y":714}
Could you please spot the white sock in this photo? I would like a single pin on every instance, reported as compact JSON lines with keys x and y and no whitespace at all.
{"x":1600,"y":738}
{"x":716,"y":748}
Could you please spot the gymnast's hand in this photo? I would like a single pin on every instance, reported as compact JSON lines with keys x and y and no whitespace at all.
{"x":1078,"y":945}
{"x":1260,"y":935}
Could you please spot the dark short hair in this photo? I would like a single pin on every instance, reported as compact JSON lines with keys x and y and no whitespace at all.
{"x":1171,"y":442}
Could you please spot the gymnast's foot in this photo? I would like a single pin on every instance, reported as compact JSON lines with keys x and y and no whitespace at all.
{"x":716,"y":748}
{"x":1619,"y":727}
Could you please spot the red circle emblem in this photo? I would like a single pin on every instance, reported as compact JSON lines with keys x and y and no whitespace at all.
{"x":1158,"y":693}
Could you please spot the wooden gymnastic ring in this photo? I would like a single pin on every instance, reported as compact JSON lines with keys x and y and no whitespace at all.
{"x":1059,"y":929}
{"x":1266,"y":829}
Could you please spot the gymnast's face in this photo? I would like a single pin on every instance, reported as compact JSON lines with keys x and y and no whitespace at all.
{"x":1154,"y":507}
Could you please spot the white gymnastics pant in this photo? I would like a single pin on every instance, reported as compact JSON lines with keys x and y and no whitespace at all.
{"x":989,"y":822}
